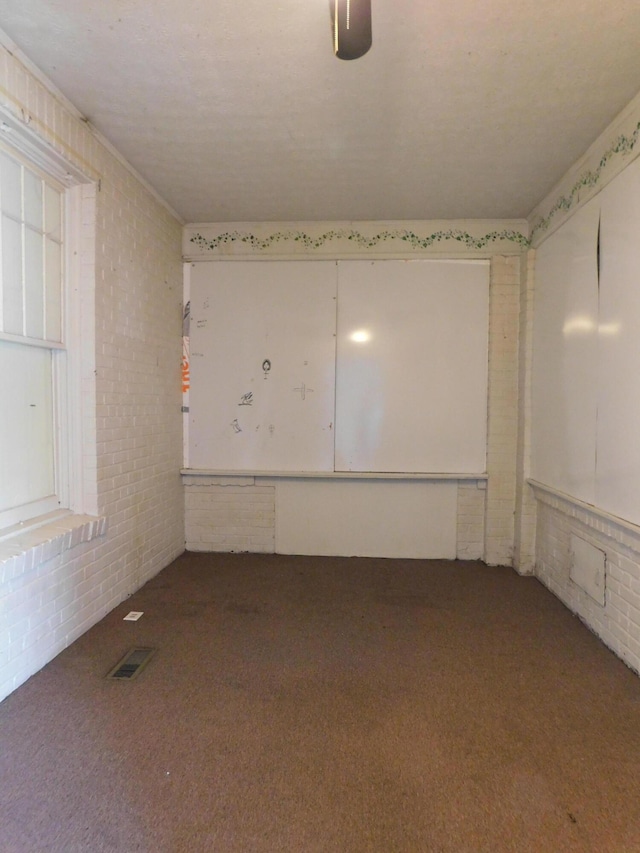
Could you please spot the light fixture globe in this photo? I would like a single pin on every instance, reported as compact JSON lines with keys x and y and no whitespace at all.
{"x":351,"y":21}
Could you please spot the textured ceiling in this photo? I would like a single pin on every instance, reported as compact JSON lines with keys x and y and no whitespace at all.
{"x":238,"y":111}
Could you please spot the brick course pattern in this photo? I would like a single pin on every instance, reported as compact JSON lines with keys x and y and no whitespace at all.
{"x":617,"y":623}
{"x":132,"y":441}
{"x":502,"y":433}
{"x":525,"y":517}
{"x":230,"y":515}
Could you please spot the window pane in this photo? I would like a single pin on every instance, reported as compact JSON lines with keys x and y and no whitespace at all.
{"x":52,"y":213}
{"x":53,"y":290}
{"x":12,"y":308}
{"x":11,"y":186}
{"x":32,"y":200}
{"x":33,"y":284}
{"x":26,"y":424}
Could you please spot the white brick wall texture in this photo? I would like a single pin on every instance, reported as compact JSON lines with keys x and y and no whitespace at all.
{"x":525,"y":517}
{"x":617,"y":623}
{"x":502,"y":432}
{"x":132,"y":405}
{"x":470,"y":520}
{"x":229,"y":514}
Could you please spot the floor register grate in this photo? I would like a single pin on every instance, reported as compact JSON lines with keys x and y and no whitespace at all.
{"x":132,"y":664}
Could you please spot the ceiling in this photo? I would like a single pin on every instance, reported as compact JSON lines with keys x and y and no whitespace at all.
{"x":238,"y":111}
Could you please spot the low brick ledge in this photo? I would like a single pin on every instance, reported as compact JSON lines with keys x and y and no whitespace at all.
{"x":589,"y":514}
{"x":22,"y":550}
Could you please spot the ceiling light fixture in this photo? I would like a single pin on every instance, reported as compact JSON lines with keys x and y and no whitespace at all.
{"x":351,"y":27}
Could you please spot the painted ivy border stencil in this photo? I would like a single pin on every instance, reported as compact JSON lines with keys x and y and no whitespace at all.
{"x":622,"y":146}
{"x":469,"y":241}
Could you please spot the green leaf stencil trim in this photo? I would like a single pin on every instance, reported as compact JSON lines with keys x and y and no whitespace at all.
{"x":623,"y":146}
{"x":356,"y":237}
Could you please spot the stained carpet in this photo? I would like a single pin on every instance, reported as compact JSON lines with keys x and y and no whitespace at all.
{"x":313,"y":704}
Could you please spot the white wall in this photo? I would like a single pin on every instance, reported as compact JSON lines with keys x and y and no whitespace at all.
{"x":56,"y":584}
{"x":53,"y":591}
{"x":561,"y":516}
{"x":244,"y":513}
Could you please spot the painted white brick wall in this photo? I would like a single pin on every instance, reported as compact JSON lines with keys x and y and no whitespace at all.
{"x":503,"y":410}
{"x":470,"y":520}
{"x":229,"y":514}
{"x":559,"y":517}
{"x":132,"y":405}
{"x":525,"y":518}
{"x":617,"y":623}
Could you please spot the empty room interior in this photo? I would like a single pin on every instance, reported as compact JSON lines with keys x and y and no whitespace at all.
{"x":319,"y":419}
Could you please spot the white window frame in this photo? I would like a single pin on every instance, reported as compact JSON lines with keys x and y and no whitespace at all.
{"x":73,"y":360}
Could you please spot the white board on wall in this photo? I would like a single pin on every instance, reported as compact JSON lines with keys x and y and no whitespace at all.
{"x":270,"y":392}
{"x":618,"y":377}
{"x":411,"y":383}
{"x":565,"y":355}
{"x":262,"y":366}
{"x":586,"y":359}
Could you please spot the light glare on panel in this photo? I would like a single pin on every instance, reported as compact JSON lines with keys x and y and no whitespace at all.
{"x":360,"y":336}
{"x":610,"y":330}
{"x":578,"y":325}
{"x":583,"y":325}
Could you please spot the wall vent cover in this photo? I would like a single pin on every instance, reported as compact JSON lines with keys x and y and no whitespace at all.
{"x":588,"y":568}
{"x":132,"y":664}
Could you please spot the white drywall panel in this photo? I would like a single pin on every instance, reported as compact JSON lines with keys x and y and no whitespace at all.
{"x":366,"y":518}
{"x":411,"y":382}
{"x":565,"y":353}
{"x":618,"y":458}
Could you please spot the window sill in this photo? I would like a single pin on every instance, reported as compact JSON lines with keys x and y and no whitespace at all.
{"x":24,"y":548}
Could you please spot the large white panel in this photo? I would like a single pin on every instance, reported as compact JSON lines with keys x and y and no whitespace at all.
{"x":618,"y":461}
{"x":262,"y":365}
{"x":411,"y":383}
{"x":366,"y":518}
{"x":565,"y":351}
{"x":26,"y":425}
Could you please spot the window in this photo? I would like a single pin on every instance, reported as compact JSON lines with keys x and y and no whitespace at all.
{"x":36,"y":347}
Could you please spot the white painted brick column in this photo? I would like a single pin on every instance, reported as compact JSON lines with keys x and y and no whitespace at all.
{"x":229,"y":514}
{"x":470,"y":519}
{"x":525,"y":519}
{"x":504,"y":309}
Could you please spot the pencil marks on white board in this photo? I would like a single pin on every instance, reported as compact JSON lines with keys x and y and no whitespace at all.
{"x":303,"y":390}
{"x":387,"y":375}
{"x":264,"y":386}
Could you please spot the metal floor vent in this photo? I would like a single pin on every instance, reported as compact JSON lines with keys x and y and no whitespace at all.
{"x":132,"y":664}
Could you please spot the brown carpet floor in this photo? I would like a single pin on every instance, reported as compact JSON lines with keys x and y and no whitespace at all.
{"x":313,"y":704}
